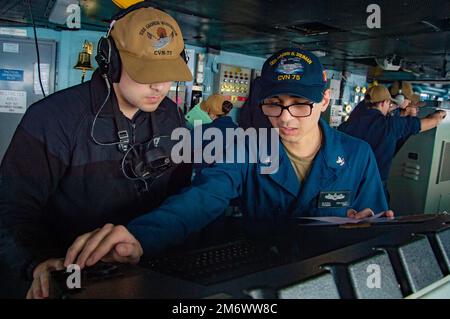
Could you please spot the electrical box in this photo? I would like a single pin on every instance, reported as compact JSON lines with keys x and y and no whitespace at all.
{"x":233,"y":82}
{"x":419,"y":180}
{"x":333,"y":115}
{"x":19,"y":80}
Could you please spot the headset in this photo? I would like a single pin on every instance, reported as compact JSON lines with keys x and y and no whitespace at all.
{"x":400,"y":97}
{"x":108,"y":57}
{"x":145,"y":161}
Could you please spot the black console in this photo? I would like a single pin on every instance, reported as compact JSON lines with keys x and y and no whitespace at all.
{"x":292,"y":260}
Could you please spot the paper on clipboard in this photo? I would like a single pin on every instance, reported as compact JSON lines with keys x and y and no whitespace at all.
{"x":336,"y":220}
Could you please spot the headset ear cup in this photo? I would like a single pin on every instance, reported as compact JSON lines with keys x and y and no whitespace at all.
{"x":115,"y":70}
{"x":184,"y":56}
{"x":102,"y":56}
{"x":108,"y":59}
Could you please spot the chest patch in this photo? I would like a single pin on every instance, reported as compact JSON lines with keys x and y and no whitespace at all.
{"x":334,"y":199}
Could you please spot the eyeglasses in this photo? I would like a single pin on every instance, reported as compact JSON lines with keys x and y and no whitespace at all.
{"x":296,"y":109}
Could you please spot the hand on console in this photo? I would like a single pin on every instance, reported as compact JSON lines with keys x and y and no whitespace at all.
{"x":109,"y":244}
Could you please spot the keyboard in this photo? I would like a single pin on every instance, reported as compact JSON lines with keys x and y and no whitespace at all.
{"x":220,"y":263}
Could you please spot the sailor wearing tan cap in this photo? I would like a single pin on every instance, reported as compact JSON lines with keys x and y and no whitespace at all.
{"x":383,"y":132}
{"x":95,"y":153}
{"x":403,"y":90}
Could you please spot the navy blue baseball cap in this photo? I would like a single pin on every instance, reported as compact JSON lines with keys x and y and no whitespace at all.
{"x":293,"y":71}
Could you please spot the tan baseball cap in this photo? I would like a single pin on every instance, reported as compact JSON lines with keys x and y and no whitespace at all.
{"x":213,"y":104}
{"x":379,"y":93}
{"x":406,"y":88}
{"x":150,"y":43}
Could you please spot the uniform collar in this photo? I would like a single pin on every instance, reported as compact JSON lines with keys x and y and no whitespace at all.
{"x":332,"y":149}
{"x":329,"y":160}
{"x":373,"y":112}
{"x":223,"y":119}
{"x":325,"y":169}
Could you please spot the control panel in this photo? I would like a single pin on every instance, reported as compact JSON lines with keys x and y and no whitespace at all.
{"x":233,"y":82}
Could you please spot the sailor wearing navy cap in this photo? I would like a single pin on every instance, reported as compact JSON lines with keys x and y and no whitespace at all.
{"x":322,"y":172}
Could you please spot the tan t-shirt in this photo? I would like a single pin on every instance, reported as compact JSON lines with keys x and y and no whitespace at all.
{"x":301,"y":165}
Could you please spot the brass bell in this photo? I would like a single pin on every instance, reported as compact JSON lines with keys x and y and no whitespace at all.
{"x":84,"y":59}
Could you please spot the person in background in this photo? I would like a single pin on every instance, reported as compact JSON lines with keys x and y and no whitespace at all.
{"x":250,"y":114}
{"x":217,"y":107}
{"x":382,"y":131}
{"x":407,"y":100}
{"x":409,"y":108}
